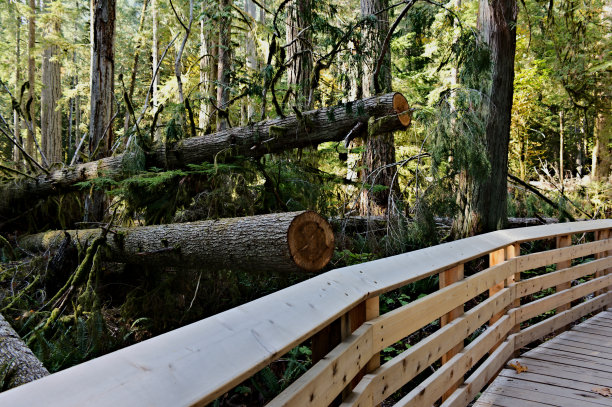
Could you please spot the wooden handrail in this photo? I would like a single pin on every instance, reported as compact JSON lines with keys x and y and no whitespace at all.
{"x":195,"y":364}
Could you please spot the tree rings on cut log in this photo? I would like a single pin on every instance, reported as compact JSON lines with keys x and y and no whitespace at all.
{"x":311,"y":241}
{"x":402,"y":108}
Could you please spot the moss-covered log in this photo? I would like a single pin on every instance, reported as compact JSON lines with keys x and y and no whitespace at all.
{"x":281,"y":242}
{"x":18,"y":365}
{"x":390,"y":112}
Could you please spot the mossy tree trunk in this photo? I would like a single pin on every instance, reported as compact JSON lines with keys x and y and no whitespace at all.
{"x":311,"y":128}
{"x":17,"y":362}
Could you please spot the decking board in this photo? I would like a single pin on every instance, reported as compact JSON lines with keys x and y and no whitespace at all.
{"x":564,"y":371}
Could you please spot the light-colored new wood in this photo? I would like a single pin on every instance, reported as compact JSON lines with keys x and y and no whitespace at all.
{"x":539,"y":283}
{"x":388,"y":329}
{"x":541,"y":259}
{"x":391,"y":376}
{"x":553,"y":301}
{"x":550,"y":325}
{"x":197,"y":363}
{"x":602,"y":235}
{"x":485,"y":372}
{"x":432,"y":388}
{"x":564,"y":241}
{"x":399,"y":323}
{"x":326,"y":379}
{"x":497,"y":257}
{"x":447,"y":278}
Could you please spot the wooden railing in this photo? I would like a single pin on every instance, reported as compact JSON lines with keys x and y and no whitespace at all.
{"x":195,"y":364}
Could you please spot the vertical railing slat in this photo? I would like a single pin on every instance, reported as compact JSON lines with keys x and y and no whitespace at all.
{"x":564,"y":241}
{"x":447,"y":278}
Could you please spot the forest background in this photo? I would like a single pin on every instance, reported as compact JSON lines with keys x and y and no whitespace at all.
{"x":497,"y":90}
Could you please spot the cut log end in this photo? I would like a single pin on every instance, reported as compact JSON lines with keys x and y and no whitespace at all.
{"x":402,"y":108}
{"x":311,"y":241}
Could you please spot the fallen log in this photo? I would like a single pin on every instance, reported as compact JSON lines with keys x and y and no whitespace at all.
{"x":18,"y":364}
{"x":390,"y":111}
{"x":281,"y":242}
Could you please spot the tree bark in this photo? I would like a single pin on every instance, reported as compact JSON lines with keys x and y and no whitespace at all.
{"x":602,"y":156}
{"x":486,"y":200}
{"x":281,"y":242}
{"x":388,"y":113}
{"x":224,"y":69}
{"x":102,"y":78}
{"x":299,"y":51}
{"x":22,"y":364}
{"x":102,"y":91}
{"x":51,"y":92}
{"x":251,"y":54}
{"x":379,"y":148}
{"x":154,"y":62}
{"x":561,"y":152}
{"x":16,"y":119}
{"x":31,"y":78}
{"x":126,"y":122}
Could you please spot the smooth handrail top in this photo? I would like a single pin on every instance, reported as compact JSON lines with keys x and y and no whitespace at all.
{"x":195,"y":364}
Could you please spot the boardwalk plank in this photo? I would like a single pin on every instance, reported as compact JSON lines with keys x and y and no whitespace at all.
{"x":591,"y":330}
{"x":565,"y":371}
{"x":597,"y":353}
{"x":584,"y":345}
{"x":548,"y":393}
{"x":503,"y":400}
{"x":569,"y":359}
{"x":587,"y":338}
{"x":550,"y":377}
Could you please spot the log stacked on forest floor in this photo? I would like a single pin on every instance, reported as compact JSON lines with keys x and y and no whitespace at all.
{"x":390,"y":112}
{"x":280,"y":242}
{"x":18,"y":365}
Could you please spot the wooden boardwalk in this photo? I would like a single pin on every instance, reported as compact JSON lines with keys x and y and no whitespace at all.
{"x":567,"y":370}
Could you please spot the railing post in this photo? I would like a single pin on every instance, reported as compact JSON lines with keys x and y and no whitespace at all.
{"x":564,"y":241}
{"x":447,"y":278}
{"x":514,"y":250}
{"x":602,"y":235}
{"x":496,"y":257}
{"x":329,"y":337}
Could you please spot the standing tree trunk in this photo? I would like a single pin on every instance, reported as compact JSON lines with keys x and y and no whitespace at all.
{"x":486,"y":199}
{"x":102,"y":89}
{"x":51,"y":92}
{"x":31,"y":78}
{"x":102,"y":78}
{"x":380,"y":149}
{"x":154,"y":62}
{"x":21,"y":363}
{"x":561,"y":152}
{"x":251,"y":54}
{"x":126,"y":123}
{"x":204,"y":67}
{"x":602,"y":156}
{"x":16,"y":119}
{"x":299,"y":51}
{"x":224,"y":67}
